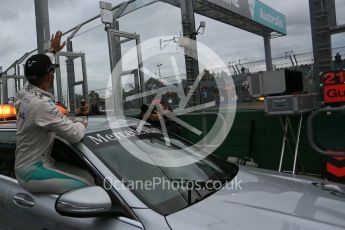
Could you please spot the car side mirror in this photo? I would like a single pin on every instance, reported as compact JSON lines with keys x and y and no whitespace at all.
{"x":84,"y":202}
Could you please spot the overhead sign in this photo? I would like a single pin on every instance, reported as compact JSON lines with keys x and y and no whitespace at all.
{"x":269,"y":17}
{"x":334,"y":86}
{"x":256,"y":11}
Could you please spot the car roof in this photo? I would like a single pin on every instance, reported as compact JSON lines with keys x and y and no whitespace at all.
{"x":94,"y":123}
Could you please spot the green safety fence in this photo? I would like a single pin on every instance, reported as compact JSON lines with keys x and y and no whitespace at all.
{"x":255,"y":135}
{"x":258,"y":136}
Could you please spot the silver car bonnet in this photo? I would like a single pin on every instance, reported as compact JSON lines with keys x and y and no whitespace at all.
{"x":267,"y":200}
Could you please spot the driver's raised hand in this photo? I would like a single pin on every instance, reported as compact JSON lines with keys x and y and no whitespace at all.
{"x":55,"y":44}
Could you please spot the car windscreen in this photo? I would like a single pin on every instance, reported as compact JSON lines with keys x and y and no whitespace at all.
{"x":163,"y":189}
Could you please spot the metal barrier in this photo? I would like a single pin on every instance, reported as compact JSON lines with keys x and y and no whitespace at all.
{"x":19,"y":82}
{"x":71,"y":83}
{"x":114,"y":43}
{"x":311,"y":137}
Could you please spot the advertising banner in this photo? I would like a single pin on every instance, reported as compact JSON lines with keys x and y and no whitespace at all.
{"x":269,"y":17}
{"x":256,"y":11}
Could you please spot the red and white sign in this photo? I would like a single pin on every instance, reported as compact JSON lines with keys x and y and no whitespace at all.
{"x":334,"y":93}
{"x":334,"y":86}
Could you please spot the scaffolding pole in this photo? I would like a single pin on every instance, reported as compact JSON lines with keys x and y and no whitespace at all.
{"x":191,"y":53}
{"x":268,"y":52}
{"x":42,"y":24}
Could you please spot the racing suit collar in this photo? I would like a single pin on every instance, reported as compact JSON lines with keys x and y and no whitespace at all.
{"x":31,"y":87}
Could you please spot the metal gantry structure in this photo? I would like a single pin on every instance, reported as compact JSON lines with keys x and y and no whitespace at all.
{"x":242,"y":14}
{"x":323,"y":26}
{"x":71,"y":56}
{"x":322,"y":18}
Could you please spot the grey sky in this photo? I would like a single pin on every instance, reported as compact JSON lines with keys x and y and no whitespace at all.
{"x":17,"y":23}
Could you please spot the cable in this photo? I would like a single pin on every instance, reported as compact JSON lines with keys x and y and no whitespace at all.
{"x":83,"y":32}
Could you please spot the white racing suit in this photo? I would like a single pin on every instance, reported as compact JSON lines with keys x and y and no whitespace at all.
{"x":38,"y":121}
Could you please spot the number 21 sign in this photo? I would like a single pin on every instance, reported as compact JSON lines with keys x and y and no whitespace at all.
{"x":334,"y":86}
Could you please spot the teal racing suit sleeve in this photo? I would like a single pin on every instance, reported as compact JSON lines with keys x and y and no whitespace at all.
{"x":50,"y":118}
